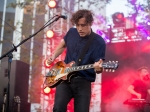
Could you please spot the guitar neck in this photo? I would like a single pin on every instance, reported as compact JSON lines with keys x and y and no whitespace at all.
{"x":83,"y":67}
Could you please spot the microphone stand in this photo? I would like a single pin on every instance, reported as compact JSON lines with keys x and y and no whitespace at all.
{"x":10,"y":56}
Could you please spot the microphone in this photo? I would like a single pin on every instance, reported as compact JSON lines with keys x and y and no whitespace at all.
{"x":62,"y":16}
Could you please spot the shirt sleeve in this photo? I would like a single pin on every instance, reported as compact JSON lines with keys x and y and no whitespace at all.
{"x":134,"y":83}
{"x":66,"y":36}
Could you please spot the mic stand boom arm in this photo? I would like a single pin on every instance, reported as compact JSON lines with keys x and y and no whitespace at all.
{"x":10,"y":56}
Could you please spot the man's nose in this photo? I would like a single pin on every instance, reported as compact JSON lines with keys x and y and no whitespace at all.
{"x":80,"y":28}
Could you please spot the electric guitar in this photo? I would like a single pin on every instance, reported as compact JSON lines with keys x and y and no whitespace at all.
{"x":60,"y":71}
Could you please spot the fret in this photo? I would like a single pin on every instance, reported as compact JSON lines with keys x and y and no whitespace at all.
{"x":59,"y":70}
{"x":82,"y":67}
{"x":71,"y":69}
{"x":66,"y":70}
{"x":89,"y":66}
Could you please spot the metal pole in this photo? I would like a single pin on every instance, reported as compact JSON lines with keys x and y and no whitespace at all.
{"x":17,"y":34}
{"x":2,"y":28}
{"x":32,"y":43}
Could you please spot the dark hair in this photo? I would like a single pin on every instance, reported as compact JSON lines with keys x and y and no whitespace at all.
{"x":84,"y":13}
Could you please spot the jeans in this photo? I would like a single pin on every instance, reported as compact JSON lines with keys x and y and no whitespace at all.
{"x":79,"y":89}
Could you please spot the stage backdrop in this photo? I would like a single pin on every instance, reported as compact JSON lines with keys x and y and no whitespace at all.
{"x":131,"y":56}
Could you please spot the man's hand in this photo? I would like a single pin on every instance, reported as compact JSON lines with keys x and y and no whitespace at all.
{"x":50,"y":60}
{"x":98,"y":66}
{"x":138,"y":96}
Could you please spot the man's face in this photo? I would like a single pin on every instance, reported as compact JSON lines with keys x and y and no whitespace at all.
{"x":83,"y":28}
{"x":144,"y":74}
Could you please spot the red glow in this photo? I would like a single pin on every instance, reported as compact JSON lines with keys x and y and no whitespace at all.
{"x":49,"y":33}
{"x":52,"y":3}
{"x":146,"y":47}
{"x":119,"y":16}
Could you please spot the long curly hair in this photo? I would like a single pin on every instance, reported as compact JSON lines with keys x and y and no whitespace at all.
{"x":84,"y":13}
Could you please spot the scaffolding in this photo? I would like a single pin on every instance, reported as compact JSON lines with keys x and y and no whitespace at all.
{"x":60,"y":28}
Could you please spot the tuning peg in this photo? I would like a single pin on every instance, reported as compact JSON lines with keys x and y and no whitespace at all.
{"x":117,"y":62}
{"x":110,"y":70}
{"x":106,"y":70}
{"x":113,"y":70}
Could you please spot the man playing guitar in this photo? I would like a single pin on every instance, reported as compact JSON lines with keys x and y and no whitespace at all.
{"x":79,"y":86}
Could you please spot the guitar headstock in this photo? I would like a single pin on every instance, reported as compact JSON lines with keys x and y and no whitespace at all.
{"x":110,"y":66}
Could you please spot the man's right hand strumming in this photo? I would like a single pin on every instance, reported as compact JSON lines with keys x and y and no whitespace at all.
{"x":50,"y":60}
{"x":138,"y":96}
{"x":59,"y":49}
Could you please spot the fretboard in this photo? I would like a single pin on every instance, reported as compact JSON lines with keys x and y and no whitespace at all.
{"x":78,"y":68}
{"x":83,"y":67}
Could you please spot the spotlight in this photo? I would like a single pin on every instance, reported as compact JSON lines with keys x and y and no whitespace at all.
{"x":52,"y":3}
{"x":49,"y":33}
{"x":46,"y":64}
{"x":118,"y":18}
{"x":148,"y":23}
{"x":148,"y":38}
{"x":47,"y":90}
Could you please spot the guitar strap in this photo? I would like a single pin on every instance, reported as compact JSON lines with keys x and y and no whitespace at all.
{"x":85,"y":48}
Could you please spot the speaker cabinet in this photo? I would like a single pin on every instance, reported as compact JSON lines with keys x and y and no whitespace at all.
{"x":19,"y":79}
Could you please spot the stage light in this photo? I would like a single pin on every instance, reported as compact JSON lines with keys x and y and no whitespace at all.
{"x":46,"y":64}
{"x":108,"y":26}
{"x":148,"y":38}
{"x":49,"y":33}
{"x":52,"y":3}
{"x":148,"y":23}
{"x":107,"y":40}
{"x":118,"y":18}
{"x":47,"y":90}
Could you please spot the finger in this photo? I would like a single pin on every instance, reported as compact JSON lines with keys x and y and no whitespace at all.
{"x":100,"y":60}
{"x":49,"y":61}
